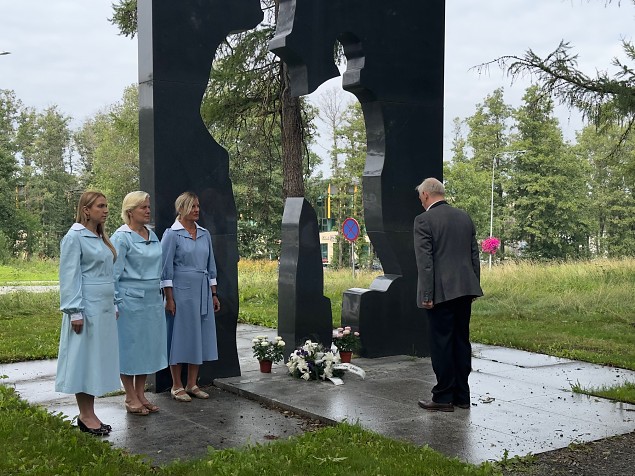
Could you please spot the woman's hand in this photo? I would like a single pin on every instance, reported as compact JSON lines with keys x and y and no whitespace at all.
{"x":170,"y":306}
{"x":216,"y":303}
{"x":77,"y":326}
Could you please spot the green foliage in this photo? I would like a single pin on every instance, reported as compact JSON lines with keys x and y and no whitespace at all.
{"x":37,"y":442}
{"x":108,"y":145}
{"x":29,"y":326}
{"x":620,"y":393}
{"x":20,"y":271}
{"x":548,"y":186}
{"x":575,"y":310}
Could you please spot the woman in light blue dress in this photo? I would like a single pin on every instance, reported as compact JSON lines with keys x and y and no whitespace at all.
{"x":189,"y":282}
{"x":141,"y":323}
{"x":88,"y":360}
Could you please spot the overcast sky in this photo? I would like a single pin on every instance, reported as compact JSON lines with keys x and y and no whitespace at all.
{"x":65,"y":52}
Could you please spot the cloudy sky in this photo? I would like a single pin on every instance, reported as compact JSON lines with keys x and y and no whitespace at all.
{"x":65,"y":52}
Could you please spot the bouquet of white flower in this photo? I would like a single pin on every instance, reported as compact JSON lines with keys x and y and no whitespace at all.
{"x":312,"y":362}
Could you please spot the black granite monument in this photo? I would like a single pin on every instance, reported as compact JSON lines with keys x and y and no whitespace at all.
{"x":395,"y":54}
{"x":177,"y":43}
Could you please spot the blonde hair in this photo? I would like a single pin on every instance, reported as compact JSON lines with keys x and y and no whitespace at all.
{"x":87,"y":200}
{"x":130,"y":202}
{"x":184,"y":204}
{"x":431,"y":186}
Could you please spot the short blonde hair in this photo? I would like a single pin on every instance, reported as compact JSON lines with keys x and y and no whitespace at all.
{"x":431,"y":186}
{"x":130,"y":202}
{"x":184,"y":204}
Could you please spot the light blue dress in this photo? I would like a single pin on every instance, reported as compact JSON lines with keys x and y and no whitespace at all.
{"x":141,"y":323}
{"x":88,"y":362}
{"x":189,"y":269}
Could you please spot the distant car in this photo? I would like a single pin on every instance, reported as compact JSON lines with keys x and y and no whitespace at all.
{"x":376,"y":266}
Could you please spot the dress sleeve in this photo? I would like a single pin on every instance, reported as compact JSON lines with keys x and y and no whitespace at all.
{"x":120,"y":243}
{"x":71,"y":299}
{"x":211,"y":262}
{"x":168,"y":248}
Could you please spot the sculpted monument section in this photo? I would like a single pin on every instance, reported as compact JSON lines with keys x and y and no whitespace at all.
{"x":395,"y":54}
{"x":177,"y":44}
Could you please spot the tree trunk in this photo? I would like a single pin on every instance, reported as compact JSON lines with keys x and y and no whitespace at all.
{"x":292,"y":139}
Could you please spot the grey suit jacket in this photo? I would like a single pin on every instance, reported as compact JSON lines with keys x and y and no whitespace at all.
{"x":447,"y":255}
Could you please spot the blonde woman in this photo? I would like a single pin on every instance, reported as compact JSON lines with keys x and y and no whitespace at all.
{"x":141,"y":323}
{"x":88,"y":360}
{"x":189,"y":282}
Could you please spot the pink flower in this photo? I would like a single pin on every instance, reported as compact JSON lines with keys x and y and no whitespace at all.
{"x":490,"y":245}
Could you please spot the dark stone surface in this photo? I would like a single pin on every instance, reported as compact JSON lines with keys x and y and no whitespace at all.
{"x":395,"y":68}
{"x":177,"y":43}
{"x":303,"y":310}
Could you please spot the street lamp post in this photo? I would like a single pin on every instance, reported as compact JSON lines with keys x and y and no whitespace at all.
{"x":491,"y":207}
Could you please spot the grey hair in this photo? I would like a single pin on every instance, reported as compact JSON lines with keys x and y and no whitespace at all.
{"x":431,"y":186}
{"x":130,"y":202}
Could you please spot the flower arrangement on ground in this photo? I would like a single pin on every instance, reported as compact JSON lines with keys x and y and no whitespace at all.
{"x":346,"y":340}
{"x":490,"y":245}
{"x":264,"y":349}
{"x":312,"y":362}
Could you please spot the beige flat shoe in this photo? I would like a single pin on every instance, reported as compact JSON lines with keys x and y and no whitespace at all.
{"x":142,"y":410}
{"x":197,"y":392}
{"x":180,"y":398}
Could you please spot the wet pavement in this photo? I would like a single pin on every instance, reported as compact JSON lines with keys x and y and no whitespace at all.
{"x":521,"y":403}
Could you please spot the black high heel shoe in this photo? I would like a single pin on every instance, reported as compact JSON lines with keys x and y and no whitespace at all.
{"x":108,"y":428}
{"x":101,"y":431}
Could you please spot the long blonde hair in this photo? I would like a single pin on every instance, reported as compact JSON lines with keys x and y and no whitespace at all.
{"x":87,"y":200}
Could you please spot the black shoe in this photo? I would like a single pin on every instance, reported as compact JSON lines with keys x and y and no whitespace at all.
{"x":464,"y":406}
{"x":108,"y":428}
{"x":101,"y":431}
{"x":436,"y":407}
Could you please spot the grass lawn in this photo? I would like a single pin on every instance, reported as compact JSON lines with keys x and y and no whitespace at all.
{"x":584,"y":311}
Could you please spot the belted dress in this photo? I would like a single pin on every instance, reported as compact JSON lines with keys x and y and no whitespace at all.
{"x":189,"y":268}
{"x":88,"y":362}
{"x":141,"y":323}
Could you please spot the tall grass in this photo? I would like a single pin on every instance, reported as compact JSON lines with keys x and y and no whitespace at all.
{"x":258,"y":284}
{"x":582,"y":310}
{"x":32,"y":271}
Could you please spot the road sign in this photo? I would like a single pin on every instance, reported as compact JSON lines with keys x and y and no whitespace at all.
{"x":350,"y":229}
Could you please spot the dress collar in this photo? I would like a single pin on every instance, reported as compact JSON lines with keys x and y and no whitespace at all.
{"x":177,"y":225}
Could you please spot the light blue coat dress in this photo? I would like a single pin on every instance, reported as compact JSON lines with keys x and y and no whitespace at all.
{"x":88,"y":362}
{"x":141,"y":323}
{"x":189,"y":269}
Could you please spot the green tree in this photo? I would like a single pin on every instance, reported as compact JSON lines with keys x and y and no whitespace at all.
{"x":603,"y":98}
{"x":46,"y":185}
{"x":482,"y":157}
{"x":548,"y":185}
{"x":108,"y":147}
{"x":611,"y":190}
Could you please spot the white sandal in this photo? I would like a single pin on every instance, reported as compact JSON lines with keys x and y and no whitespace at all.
{"x":197,"y":392}
{"x":180,"y":398}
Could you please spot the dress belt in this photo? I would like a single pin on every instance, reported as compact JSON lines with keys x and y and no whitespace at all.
{"x":205,"y":289}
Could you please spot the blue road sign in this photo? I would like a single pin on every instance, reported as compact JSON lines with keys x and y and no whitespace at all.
{"x":350,"y":229}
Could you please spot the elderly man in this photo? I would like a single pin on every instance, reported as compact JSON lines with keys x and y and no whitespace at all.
{"x":448,"y":281}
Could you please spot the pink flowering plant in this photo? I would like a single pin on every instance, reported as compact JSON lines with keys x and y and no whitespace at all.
{"x":490,"y":245}
{"x":264,"y":349}
{"x":346,"y":340}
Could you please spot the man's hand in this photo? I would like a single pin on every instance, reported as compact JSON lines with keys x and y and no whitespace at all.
{"x":428,"y":304}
